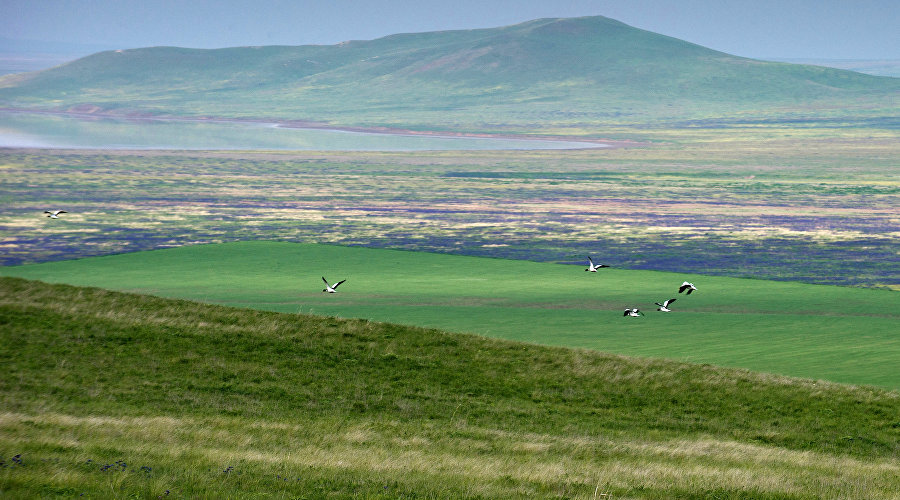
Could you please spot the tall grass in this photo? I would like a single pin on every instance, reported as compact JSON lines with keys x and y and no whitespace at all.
{"x":117,"y":395}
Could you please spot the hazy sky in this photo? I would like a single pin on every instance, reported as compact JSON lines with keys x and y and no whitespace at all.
{"x":829,"y":29}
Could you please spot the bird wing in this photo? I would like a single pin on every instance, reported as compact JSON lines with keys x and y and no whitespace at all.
{"x":338,"y":283}
{"x":666,"y":303}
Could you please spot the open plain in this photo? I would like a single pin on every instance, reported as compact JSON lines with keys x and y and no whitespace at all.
{"x":811,"y":205}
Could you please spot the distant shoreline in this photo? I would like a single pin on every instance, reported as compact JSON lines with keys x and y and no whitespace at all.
{"x":93,"y":112}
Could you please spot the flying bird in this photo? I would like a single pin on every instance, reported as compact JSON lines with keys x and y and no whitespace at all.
{"x":634,"y":313}
{"x":592,"y":268}
{"x":664,"y":307}
{"x":687,"y":286}
{"x":331,"y":288}
{"x":54,"y":214}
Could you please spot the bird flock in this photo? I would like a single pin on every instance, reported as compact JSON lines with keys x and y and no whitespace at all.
{"x":631,"y":312}
{"x":664,"y":306}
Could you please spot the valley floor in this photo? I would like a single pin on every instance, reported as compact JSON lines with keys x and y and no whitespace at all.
{"x":783,"y":204}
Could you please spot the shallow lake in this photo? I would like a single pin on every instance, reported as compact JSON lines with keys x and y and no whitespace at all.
{"x":40,"y":130}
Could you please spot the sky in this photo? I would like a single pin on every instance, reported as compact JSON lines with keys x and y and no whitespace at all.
{"x":764,"y":29}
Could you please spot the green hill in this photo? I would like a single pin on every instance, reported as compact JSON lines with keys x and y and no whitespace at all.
{"x":578,"y":72}
{"x":823,"y":332}
{"x":115,"y":395}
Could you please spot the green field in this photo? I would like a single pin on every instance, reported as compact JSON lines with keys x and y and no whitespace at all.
{"x":111,"y":395}
{"x":822,"y":332}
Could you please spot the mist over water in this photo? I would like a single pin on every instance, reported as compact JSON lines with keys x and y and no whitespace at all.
{"x":57,"y":132}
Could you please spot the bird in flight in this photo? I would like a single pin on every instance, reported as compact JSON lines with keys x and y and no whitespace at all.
{"x":592,"y":268}
{"x":634,"y":313}
{"x":664,"y":307}
{"x":331,"y":288}
{"x":54,"y":214}
{"x":687,"y":286}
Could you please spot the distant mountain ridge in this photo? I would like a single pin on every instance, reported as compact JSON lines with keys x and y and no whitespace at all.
{"x":563,"y":71}
{"x":17,"y":55}
{"x":877,"y":67}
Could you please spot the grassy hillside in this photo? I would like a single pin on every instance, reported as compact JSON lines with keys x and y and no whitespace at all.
{"x":120,"y":396}
{"x":575,"y":72}
{"x":823,"y":332}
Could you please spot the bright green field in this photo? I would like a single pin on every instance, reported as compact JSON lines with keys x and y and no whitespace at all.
{"x":839,"y":334}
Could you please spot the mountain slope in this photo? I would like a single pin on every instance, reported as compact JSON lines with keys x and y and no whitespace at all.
{"x":558,"y":70}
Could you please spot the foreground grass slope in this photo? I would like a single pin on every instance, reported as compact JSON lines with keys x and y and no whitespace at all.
{"x":825,"y":332}
{"x":117,"y":395}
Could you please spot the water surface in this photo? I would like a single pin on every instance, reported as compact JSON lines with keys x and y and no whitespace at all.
{"x":59,"y":131}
